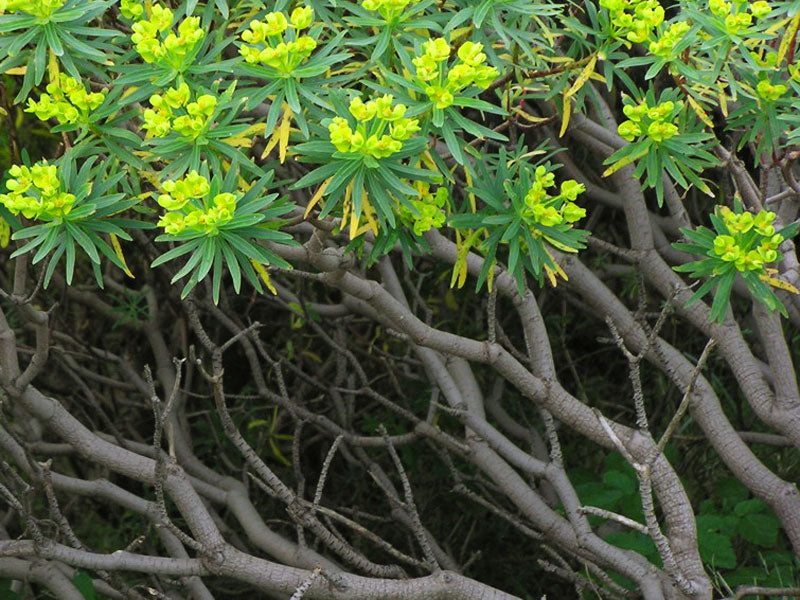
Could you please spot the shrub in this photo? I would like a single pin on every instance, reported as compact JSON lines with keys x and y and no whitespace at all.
{"x":323,"y":178}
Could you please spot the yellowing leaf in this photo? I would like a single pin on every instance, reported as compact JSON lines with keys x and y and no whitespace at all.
{"x":313,"y":356}
{"x":584,"y":76}
{"x":559,"y":245}
{"x":450,"y":300}
{"x":5,"y":233}
{"x":264,"y":275}
{"x":52,"y":66}
{"x":316,"y":197}
{"x":490,"y":276}
{"x":276,"y":451}
{"x":529,"y":117}
{"x":152,"y":179}
{"x":557,"y":59}
{"x":460,"y":266}
{"x":700,"y":112}
{"x":779,"y":283}
{"x":235,"y":24}
{"x":472,"y":204}
{"x":703,"y":187}
{"x":118,"y":251}
{"x":428,"y":161}
{"x":369,"y":214}
{"x":284,"y":130}
{"x":624,"y":162}
{"x":273,"y":141}
{"x":576,"y":86}
{"x":597,"y":77}
{"x":349,"y":214}
{"x":551,"y":273}
{"x":788,"y":38}
{"x":723,"y":100}
{"x":566,"y":111}
{"x":457,"y":33}
{"x":245,"y":138}
{"x":280,"y":135}
{"x":17,"y":70}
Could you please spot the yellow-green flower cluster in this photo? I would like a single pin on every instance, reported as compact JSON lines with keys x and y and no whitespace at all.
{"x":664,"y":46}
{"x":162,"y":118}
{"x":634,"y":19}
{"x":770,"y":92}
{"x":66,"y":100}
{"x":373,"y":118}
{"x":748,"y":252}
{"x":131,"y":9}
{"x":428,"y":206}
{"x":545,"y":209}
{"x":736,"y":22}
{"x":441,"y":83}
{"x":189,"y":206}
{"x":38,"y":8}
{"x":766,"y":57}
{"x":390,"y":10}
{"x":269,"y":45}
{"x":36,"y":192}
{"x":648,"y":120}
{"x":173,"y":49}
{"x":760,"y":9}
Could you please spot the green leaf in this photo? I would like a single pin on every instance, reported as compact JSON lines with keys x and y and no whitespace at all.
{"x":53,"y":40}
{"x":731,"y":491}
{"x":722,"y":296}
{"x":620,"y":481}
{"x":716,"y":549}
{"x":83,"y":582}
{"x":749,"y":507}
{"x":208,"y":258}
{"x":759,"y":529}
{"x":452,"y":143}
{"x":6,"y":593}
{"x":232,"y":264}
{"x":69,"y":246}
{"x":51,"y":266}
{"x":85,"y":242}
{"x":189,"y":266}
{"x":177,"y":251}
{"x":633,"y":540}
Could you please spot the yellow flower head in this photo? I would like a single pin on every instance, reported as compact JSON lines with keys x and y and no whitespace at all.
{"x":38,"y":8}
{"x":760,"y":9}
{"x":35,"y":192}
{"x":770,"y":92}
{"x":441,"y":83}
{"x":373,"y":116}
{"x":276,"y":42}
{"x":161,"y":119}
{"x":131,"y":9}
{"x":390,"y":10}
{"x":189,"y":207}
{"x":172,"y":49}
{"x":747,"y":251}
{"x":66,"y":100}
{"x":302,"y":17}
{"x":275,"y":23}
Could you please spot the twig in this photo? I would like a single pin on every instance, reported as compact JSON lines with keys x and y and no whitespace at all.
{"x":324,"y":474}
{"x":607,"y":514}
{"x":683,"y":406}
{"x":303,"y":587}
{"x":410,"y":506}
{"x":755,"y":590}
